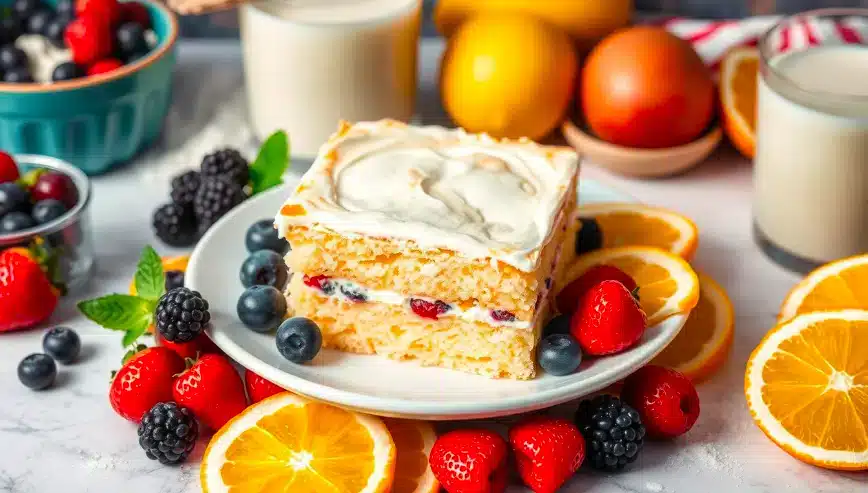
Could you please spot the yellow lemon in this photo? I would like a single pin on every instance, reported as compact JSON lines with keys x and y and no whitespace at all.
{"x":509,"y":75}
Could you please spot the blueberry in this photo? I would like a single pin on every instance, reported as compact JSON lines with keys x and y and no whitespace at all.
{"x":13,"y":198}
{"x":12,"y":57}
{"x":37,"y":371}
{"x":47,"y":210}
{"x":17,"y":75}
{"x":15,"y":221}
{"x":130,"y":38}
{"x":24,"y":8}
{"x":264,"y":268}
{"x":62,"y":344}
{"x":66,"y":71}
{"x":558,"y":325}
{"x":299,"y":339}
{"x":174,"y":279}
{"x":36,"y":23}
{"x":10,"y":29}
{"x":589,"y":236}
{"x":263,"y":236}
{"x":261,"y":308}
{"x":65,"y":8}
{"x":55,"y":30}
{"x":559,"y":354}
{"x":354,"y":293}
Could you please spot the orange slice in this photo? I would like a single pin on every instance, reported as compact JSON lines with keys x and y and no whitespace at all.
{"x":628,"y":224}
{"x":413,"y":441}
{"x":667,"y":283}
{"x":738,"y":82}
{"x":835,"y":286}
{"x":706,"y":338}
{"x":807,"y":388}
{"x":288,"y":443}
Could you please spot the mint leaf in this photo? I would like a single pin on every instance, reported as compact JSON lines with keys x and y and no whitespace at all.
{"x":120,"y":312}
{"x":271,"y":162}
{"x":150,"y":278}
{"x":131,"y":336}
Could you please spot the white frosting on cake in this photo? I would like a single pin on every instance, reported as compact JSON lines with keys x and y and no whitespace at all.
{"x":440,"y":188}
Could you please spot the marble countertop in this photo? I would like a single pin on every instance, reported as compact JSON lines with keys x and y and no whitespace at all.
{"x":68,"y":439}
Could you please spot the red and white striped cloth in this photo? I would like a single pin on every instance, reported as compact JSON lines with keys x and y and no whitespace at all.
{"x":712,"y":39}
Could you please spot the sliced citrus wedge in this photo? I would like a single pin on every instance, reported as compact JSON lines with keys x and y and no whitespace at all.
{"x":288,"y":443}
{"x":633,"y":224}
{"x":807,"y":388}
{"x":706,"y":338}
{"x":667,"y":283}
{"x":835,"y":286}
{"x":738,"y":84}
{"x":413,"y":441}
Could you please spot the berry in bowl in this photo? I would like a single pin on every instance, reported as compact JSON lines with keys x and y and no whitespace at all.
{"x":44,"y":217}
{"x":86,"y":81}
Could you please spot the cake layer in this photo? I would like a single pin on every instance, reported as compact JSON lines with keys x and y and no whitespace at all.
{"x":389,"y":330}
{"x":436,"y":189}
{"x":384,"y":265}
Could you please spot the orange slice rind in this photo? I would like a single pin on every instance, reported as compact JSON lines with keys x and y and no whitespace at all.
{"x":635,"y":224}
{"x":738,"y":93}
{"x":413,"y":441}
{"x":837,"y":285}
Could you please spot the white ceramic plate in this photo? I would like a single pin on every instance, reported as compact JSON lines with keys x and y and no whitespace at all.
{"x":375,"y":384}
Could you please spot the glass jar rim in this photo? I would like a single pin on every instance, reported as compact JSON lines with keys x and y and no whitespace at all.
{"x":765,"y":58}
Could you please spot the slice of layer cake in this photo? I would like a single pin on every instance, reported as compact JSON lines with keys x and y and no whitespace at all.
{"x":430,"y":244}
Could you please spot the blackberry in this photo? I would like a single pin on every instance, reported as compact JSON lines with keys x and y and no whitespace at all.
{"x":175,"y":225}
{"x":227,"y":163}
{"x":215,"y":197}
{"x":613,"y":432}
{"x":182,"y":315}
{"x":184,"y":187}
{"x":168,"y":433}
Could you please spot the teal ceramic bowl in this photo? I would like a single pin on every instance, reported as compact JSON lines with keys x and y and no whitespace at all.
{"x":94,"y":122}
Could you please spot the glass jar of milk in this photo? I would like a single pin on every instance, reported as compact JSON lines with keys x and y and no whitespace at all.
{"x":310,"y":63}
{"x":811,"y":164}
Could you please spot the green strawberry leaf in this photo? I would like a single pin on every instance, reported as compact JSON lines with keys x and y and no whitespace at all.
{"x":132,"y":352}
{"x":150,"y":279}
{"x":28,"y":179}
{"x":271,"y":162}
{"x":120,"y":312}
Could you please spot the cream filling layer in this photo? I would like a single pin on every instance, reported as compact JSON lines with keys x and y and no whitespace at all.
{"x":352,"y":292}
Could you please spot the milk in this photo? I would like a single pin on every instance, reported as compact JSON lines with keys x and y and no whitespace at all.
{"x":811,"y":165}
{"x":310,"y":63}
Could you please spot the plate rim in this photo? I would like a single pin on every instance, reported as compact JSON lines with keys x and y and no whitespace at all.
{"x":410,"y":408}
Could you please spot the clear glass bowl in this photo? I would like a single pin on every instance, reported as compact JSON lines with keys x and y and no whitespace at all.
{"x":69,"y":236}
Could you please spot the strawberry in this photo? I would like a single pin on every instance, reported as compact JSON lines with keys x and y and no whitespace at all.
{"x":27,"y":296}
{"x":665,"y":399}
{"x":104,"y":65}
{"x":570,"y":297}
{"x":89,"y":38}
{"x":259,"y":388}
{"x":106,"y":9}
{"x":548,"y":451}
{"x":190,"y":350}
{"x":135,"y":12}
{"x":143,"y":381}
{"x":212,"y":389}
{"x":8,"y":168}
{"x":470,"y":461}
{"x":608,"y":320}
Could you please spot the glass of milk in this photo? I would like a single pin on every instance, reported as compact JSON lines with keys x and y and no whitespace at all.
{"x":811,"y":165}
{"x":310,"y":63}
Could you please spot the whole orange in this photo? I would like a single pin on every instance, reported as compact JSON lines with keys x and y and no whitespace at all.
{"x":509,"y":75}
{"x":644,"y":87}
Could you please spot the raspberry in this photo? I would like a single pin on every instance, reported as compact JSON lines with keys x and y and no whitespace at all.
{"x":104,"y":65}
{"x":175,"y":225}
{"x":666,"y":400}
{"x":503,"y":316}
{"x":8,"y":168}
{"x":182,"y":315}
{"x":106,"y":9}
{"x":215,"y":197}
{"x":89,"y":38}
{"x":185,"y":186}
{"x":226,"y":163}
{"x":168,"y":433}
{"x":427,"y":309}
{"x":613,"y":432}
{"x":320,"y":282}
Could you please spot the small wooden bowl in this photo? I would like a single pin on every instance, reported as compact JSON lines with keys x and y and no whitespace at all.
{"x":642,"y":163}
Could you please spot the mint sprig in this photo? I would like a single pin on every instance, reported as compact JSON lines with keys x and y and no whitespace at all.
{"x":131,"y":314}
{"x":271,"y":162}
{"x":150,"y":279}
